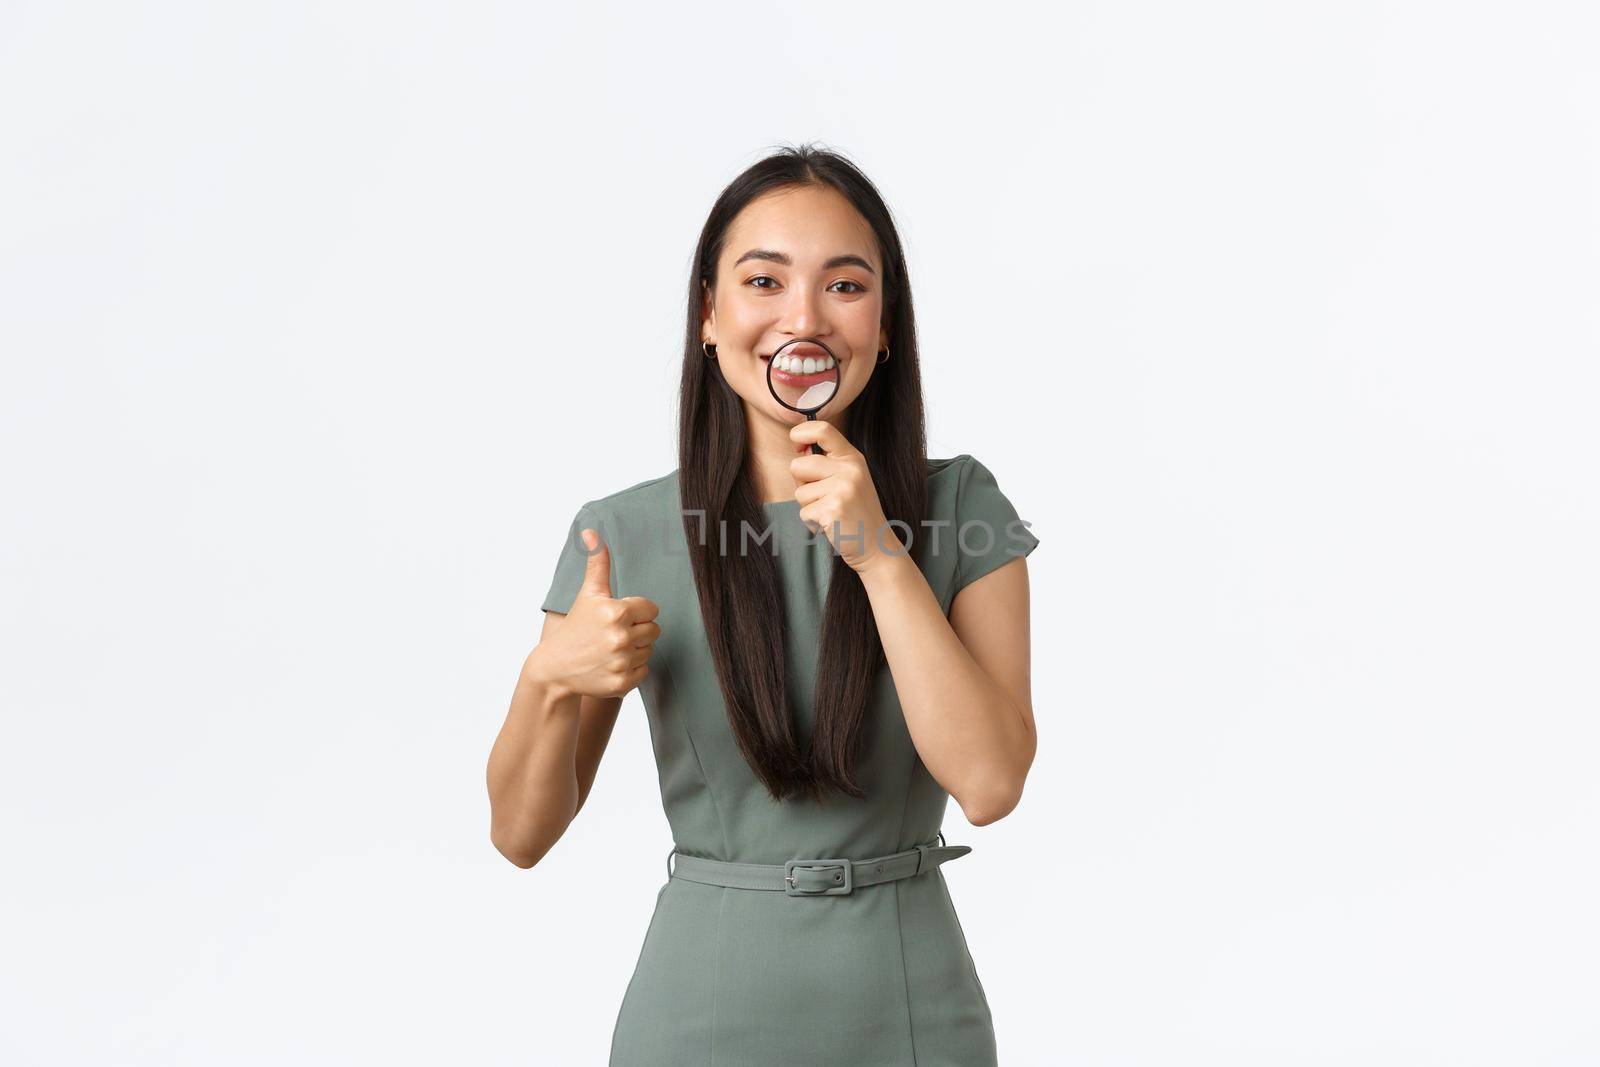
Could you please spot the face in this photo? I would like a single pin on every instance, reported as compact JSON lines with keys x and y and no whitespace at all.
{"x":774,"y":285}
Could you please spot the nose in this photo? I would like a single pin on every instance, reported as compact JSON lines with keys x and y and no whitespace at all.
{"x":803,"y":313}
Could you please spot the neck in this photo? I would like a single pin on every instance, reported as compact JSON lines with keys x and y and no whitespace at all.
{"x":771,"y":452}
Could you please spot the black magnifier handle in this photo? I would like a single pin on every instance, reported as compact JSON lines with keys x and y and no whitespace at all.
{"x":816,"y":449}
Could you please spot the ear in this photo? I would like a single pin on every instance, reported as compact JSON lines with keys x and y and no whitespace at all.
{"x":708,"y":313}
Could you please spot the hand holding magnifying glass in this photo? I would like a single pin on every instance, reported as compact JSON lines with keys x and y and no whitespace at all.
{"x":803,"y":375}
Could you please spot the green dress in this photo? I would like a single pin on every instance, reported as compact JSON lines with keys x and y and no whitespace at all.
{"x":730,"y":977}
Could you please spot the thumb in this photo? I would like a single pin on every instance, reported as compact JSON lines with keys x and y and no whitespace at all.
{"x":597,"y":573}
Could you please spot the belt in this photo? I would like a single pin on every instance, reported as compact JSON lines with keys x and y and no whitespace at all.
{"x":833,"y":876}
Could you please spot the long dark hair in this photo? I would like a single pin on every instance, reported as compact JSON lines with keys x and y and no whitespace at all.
{"x":738,"y":590}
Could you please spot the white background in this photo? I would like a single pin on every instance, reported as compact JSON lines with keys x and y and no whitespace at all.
{"x":1277,"y":321}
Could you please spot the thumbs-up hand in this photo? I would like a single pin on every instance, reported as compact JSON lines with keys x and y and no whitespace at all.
{"x":602,"y":647}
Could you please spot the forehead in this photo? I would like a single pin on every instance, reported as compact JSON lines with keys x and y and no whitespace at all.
{"x":808,"y":222}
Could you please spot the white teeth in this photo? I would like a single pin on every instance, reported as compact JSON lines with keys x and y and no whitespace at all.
{"x":806,"y":365}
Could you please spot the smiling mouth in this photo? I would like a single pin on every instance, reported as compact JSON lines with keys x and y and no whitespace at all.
{"x":801,"y":379}
{"x":802,"y":365}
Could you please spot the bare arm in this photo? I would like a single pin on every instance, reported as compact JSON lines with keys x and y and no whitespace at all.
{"x":964,"y":682}
{"x":544,"y":760}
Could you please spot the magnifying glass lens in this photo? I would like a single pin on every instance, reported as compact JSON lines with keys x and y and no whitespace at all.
{"x":803,"y":375}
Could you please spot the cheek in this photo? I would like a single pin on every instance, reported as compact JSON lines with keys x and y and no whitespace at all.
{"x":742,"y":315}
{"x":870,"y":314}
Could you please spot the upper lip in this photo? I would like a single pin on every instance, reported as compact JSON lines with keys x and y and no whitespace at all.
{"x":800,"y":348}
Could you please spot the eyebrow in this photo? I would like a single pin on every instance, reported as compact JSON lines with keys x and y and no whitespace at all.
{"x":849,"y":259}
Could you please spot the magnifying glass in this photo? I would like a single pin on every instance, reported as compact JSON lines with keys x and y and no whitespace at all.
{"x":803,"y":375}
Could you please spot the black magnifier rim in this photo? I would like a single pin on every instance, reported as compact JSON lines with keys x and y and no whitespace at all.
{"x":834,"y":368}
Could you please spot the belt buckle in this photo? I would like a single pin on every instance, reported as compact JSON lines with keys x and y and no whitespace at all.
{"x":842,"y":883}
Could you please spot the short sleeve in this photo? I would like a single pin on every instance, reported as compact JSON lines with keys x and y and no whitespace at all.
{"x":989,"y":532}
{"x":573,"y":562}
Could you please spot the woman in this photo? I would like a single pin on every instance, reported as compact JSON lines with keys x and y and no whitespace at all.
{"x":815,"y":689}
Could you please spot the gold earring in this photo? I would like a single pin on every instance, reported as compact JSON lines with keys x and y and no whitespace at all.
{"x":883,"y":357}
{"x":709,"y":354}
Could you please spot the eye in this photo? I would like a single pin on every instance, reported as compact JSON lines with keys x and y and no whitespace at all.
{"x":761,"y":278}
{"x":857,"y":289}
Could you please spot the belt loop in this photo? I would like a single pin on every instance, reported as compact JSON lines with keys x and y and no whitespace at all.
{"x":922,"y":858}
{"x":674,"y":852}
